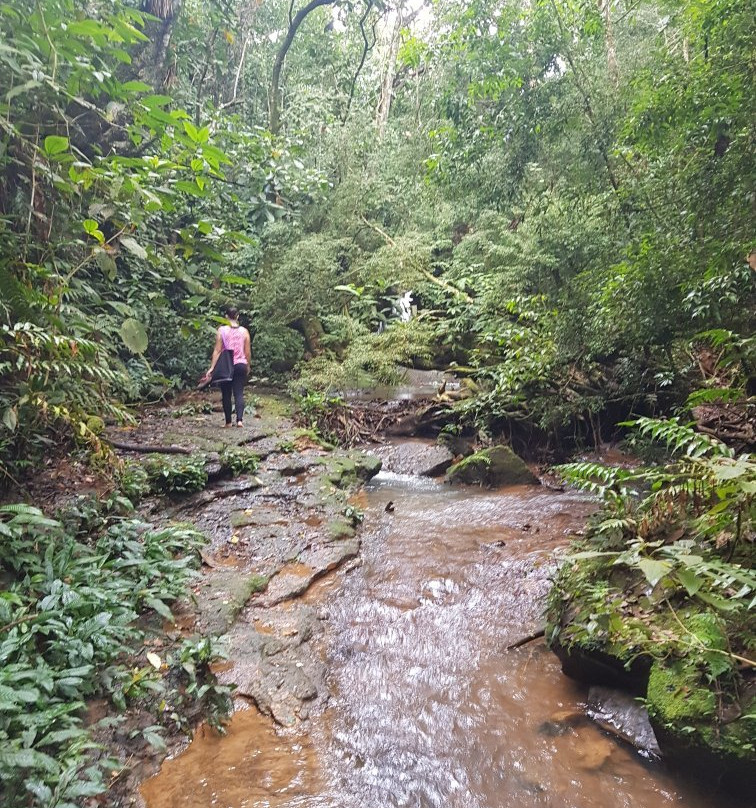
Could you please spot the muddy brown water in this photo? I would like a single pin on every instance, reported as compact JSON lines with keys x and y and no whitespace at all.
{"x":428,"y":708}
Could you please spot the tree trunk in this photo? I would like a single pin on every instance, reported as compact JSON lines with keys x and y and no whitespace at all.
{"x":387,"y":85}
{"x":274,"y":102}
{"x":151,"y":61}
{"x":605,"y":8}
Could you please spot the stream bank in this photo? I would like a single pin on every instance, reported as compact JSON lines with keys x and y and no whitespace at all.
{"x":275,"y":506}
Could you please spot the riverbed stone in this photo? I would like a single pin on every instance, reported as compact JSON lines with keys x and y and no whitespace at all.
{"x":623,"y":716}
{"x":221,"y":595}
{"x":275,"y":671}
{"x":296,"y":578}
{"x":593,"y":750}
{"x":494,"y":467}
{"x":417,"y":457}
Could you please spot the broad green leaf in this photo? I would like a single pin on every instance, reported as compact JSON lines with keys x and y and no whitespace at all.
{"x":718,"y":603}
{"x":107,"y":264}
{"x":237,"y":280}
{"x":134,"y":336}
{"x":654,"y":570}
{"x":191,"y":130}
{"x":10,"y":419}
{"x":134,"y":247}
{"x":689,"y":580}
{"x":28,"y":759}
{"x":136,"y":87}
{"x":92,"y":228}
{"x":86,"y":28}
{"x":160,"y":607}
{"x":189,"y":188}
{"x":154,"y":740}
{"x":156,"y":100}
{"x":55,"y":144}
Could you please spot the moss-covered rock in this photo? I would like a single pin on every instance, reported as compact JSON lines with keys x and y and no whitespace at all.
{"x":340,"y":528}
{"x":605,"y":625}
{"x":347,"y":470}
{"x":688,"y":719}
{"x":675,"y":693}
{"x":222,"y":596}
{"x":95,"y":424}
{"x":494,"y":467}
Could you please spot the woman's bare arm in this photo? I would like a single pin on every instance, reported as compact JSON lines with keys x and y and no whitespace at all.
{"x":247,"y":347}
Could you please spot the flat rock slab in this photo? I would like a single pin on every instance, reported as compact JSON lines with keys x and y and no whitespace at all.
{"x":221,"y":595}
{"x":417,"y":458}
{"x":274,"y":668}
{"x":295,"y":579}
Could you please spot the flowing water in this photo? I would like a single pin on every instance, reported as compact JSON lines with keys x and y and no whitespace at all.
{"x":429,"y":709}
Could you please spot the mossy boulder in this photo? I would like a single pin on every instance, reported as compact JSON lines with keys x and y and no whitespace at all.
{"x":693,"y":732}
{"x":676,"y":693}
{"x":346,"y":471}
{"x":494,"y":467}
{"x":95,"y":424}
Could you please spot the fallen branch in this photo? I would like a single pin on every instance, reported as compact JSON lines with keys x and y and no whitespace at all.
{"x":442,"y":284}
{"x":148,"y":448}
{"x":525,"y":640}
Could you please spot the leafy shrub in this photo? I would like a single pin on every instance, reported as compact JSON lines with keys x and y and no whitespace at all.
{"x":67,"y":626}
{"x":176,"y":476}
{"x":370,"y":358}
{"x":666,"y":572}
{"x":199,"y":685}
{"x":179,"y":347}
{"x":133,"y":480}
{"x":239,"y":461}
{"x":275,"y":349}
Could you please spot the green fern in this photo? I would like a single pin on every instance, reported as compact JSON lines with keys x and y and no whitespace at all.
{"x":679,"y":437}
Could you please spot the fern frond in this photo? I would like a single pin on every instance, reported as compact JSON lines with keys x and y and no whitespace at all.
{"x":680,"y":437}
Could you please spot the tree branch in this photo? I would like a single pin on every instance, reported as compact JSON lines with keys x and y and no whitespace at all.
{"x":275,"y":89}
{"x":367,"y":47}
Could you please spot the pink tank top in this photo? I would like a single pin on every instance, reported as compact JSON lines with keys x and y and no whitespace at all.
{"x":233,"y":340}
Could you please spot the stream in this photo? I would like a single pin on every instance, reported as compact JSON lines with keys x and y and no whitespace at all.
{"x":428,"y":709}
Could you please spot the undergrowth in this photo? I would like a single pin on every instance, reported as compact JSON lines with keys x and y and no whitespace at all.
{"x":666,"y":572}
{"x":75,"y":593}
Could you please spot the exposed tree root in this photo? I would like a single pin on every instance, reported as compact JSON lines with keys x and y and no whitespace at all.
{"x":148,"y":448}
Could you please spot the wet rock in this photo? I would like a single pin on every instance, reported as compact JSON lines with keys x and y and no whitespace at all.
{"x":624,"y":717}
{"x":458,"y":445}
{"x":340,"y":528}
{"x":418,"y":458}
{"x":497,"y":466}
{"x":593,"y":751}
{"x":593,"y":666}
{"x":221,"y":596}
{"x":686,"y":714}
{"x":562,"y":722}
{"x":259,"y":516}
{"x":276,"y":673}
{"x":295,"y":579}
{"x":347,"y":469}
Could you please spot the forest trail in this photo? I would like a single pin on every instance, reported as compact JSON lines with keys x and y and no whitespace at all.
{"x":271,"y":533}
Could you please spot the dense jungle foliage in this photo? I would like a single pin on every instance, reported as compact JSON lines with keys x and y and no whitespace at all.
{"x":565,"y":187}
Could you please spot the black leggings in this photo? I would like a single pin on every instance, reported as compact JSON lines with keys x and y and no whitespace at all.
{"x":237,"y":385}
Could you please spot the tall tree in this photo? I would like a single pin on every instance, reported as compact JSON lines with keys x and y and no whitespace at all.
{"x":275,"y":101}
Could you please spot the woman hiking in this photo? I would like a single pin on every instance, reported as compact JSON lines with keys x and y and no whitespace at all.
{"x":233,"y":337}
